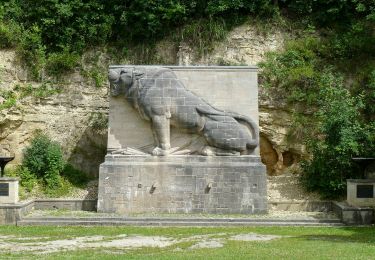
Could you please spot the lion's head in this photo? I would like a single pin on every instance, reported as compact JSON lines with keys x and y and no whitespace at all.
{"x":120,"y":79}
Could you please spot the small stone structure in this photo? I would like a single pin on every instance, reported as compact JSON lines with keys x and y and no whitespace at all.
{"x":8,"y":190}
{"x":183,"y":139}
{"x":361,"y":192}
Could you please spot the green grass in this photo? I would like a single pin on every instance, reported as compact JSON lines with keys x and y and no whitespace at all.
{"x":296,"y":243}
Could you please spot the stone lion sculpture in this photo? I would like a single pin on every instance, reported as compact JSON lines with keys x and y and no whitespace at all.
{"x":158,"y":96}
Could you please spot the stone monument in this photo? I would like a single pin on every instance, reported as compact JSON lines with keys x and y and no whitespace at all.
{"x":8,"y":186}
{"x":361,"y":192}
{"x":183,"y":140}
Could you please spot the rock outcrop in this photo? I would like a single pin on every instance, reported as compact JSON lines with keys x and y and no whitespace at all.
{"x":67,"y":116}
{"x":73,"y":116}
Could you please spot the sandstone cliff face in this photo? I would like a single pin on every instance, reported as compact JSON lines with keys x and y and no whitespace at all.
{"x":71,"y":116}
{"x":67,"y":116}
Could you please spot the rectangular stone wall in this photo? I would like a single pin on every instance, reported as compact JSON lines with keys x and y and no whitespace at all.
{"x":227,"y":88}
{"x":182,"y":184}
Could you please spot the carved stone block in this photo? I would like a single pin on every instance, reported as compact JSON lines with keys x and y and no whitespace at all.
{"x":183,"y":140}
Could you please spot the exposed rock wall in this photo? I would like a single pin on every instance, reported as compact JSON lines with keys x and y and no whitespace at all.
{"x":69,"y":116}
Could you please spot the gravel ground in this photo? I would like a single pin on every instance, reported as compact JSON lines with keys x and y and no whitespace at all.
{"x":273,"y":214}
{"x":14,"y":244}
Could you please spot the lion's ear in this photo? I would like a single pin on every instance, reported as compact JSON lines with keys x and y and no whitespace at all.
{"x":122,"y":71}
{"x":138,"y":73}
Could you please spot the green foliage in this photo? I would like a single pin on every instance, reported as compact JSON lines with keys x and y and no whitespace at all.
{"x":60,"y":63}
{"x":294,"y":73}
{"x":98,"y":121}
{"x":97,"y":75}
{"x":9,"y":34}
{"x":340,"y":136}
{"x":27,"y":179}
{"x":32,"y":50}
{"x":66,"y":24}
{"x":339,"y":125}
{"x":142,"y":19}
{"x":43,"y":168}
{"x":74,"y":176}
{"x":326,"y":12}
{"x":44,"y":159}
{"x":21,"y":91}
{"x":260,"y":7}
{"x":202,"y":34}
{"x":9,"y":99}
{"x":8,"y":103}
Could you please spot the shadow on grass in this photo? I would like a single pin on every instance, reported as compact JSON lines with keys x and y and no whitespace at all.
{"x":354,"y":235}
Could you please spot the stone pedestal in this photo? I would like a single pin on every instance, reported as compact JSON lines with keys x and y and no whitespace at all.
{"x":361,"y":192}
{"x":182,"y":184}
{"x":8,"y":190}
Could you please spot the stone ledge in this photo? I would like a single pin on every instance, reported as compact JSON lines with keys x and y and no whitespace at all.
{"x":351,"y":215}
{"x":69,"y":204}
{"x":11,"y":213}
{"x":301,"y":205}
{"x":199,"y":67}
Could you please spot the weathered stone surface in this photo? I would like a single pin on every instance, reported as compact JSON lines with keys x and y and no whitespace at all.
{"x":361,"y":192}
{"x":244,"y":45}
{"x":218,"y":86}
{"x":8,"y":190}
{"x":160,"y":97}
{"x":68,"y":117}
{"x":182,"y":184}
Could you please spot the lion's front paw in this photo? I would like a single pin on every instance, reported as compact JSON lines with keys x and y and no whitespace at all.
{"x":159,"y":152}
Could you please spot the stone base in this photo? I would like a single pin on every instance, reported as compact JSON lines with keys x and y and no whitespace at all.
{"x":361,"y":192}
{"x":353,"y":215}
{"x":8,"y":190}
{"x":182,"y":184}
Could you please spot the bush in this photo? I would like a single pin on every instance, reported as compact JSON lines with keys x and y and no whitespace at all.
{"x":32,"y":50}
{"x":27,"y":179}
{"x":74,"y":176}
{"x":294,"y":73}
{"x":9,"y":34}
{"x":66,"y":25}
{"x":60,"y":63}
{"x":44,"y":159}
{"x":339,"y":124}
{"x":339,"y":137}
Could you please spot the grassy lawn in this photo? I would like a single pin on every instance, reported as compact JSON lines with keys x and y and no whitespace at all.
{"x":291,"y":243}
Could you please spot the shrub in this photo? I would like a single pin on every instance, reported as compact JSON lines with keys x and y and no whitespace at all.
{"x":66,"y":25}
{"x":27,"y":179}
{"x":339,"y":136}
{"x":32,"y":51}
{"x":74,"y":176}
{"x":44,"y":159}
{"x":9,"y":34}
{"x":338,"y":126}
{"x":60,"y":63}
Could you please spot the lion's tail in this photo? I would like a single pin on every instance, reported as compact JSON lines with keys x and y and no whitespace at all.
{"x":251,"y":125}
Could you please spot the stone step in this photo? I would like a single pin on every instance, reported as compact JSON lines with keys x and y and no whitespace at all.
{"x":74,"y":221}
